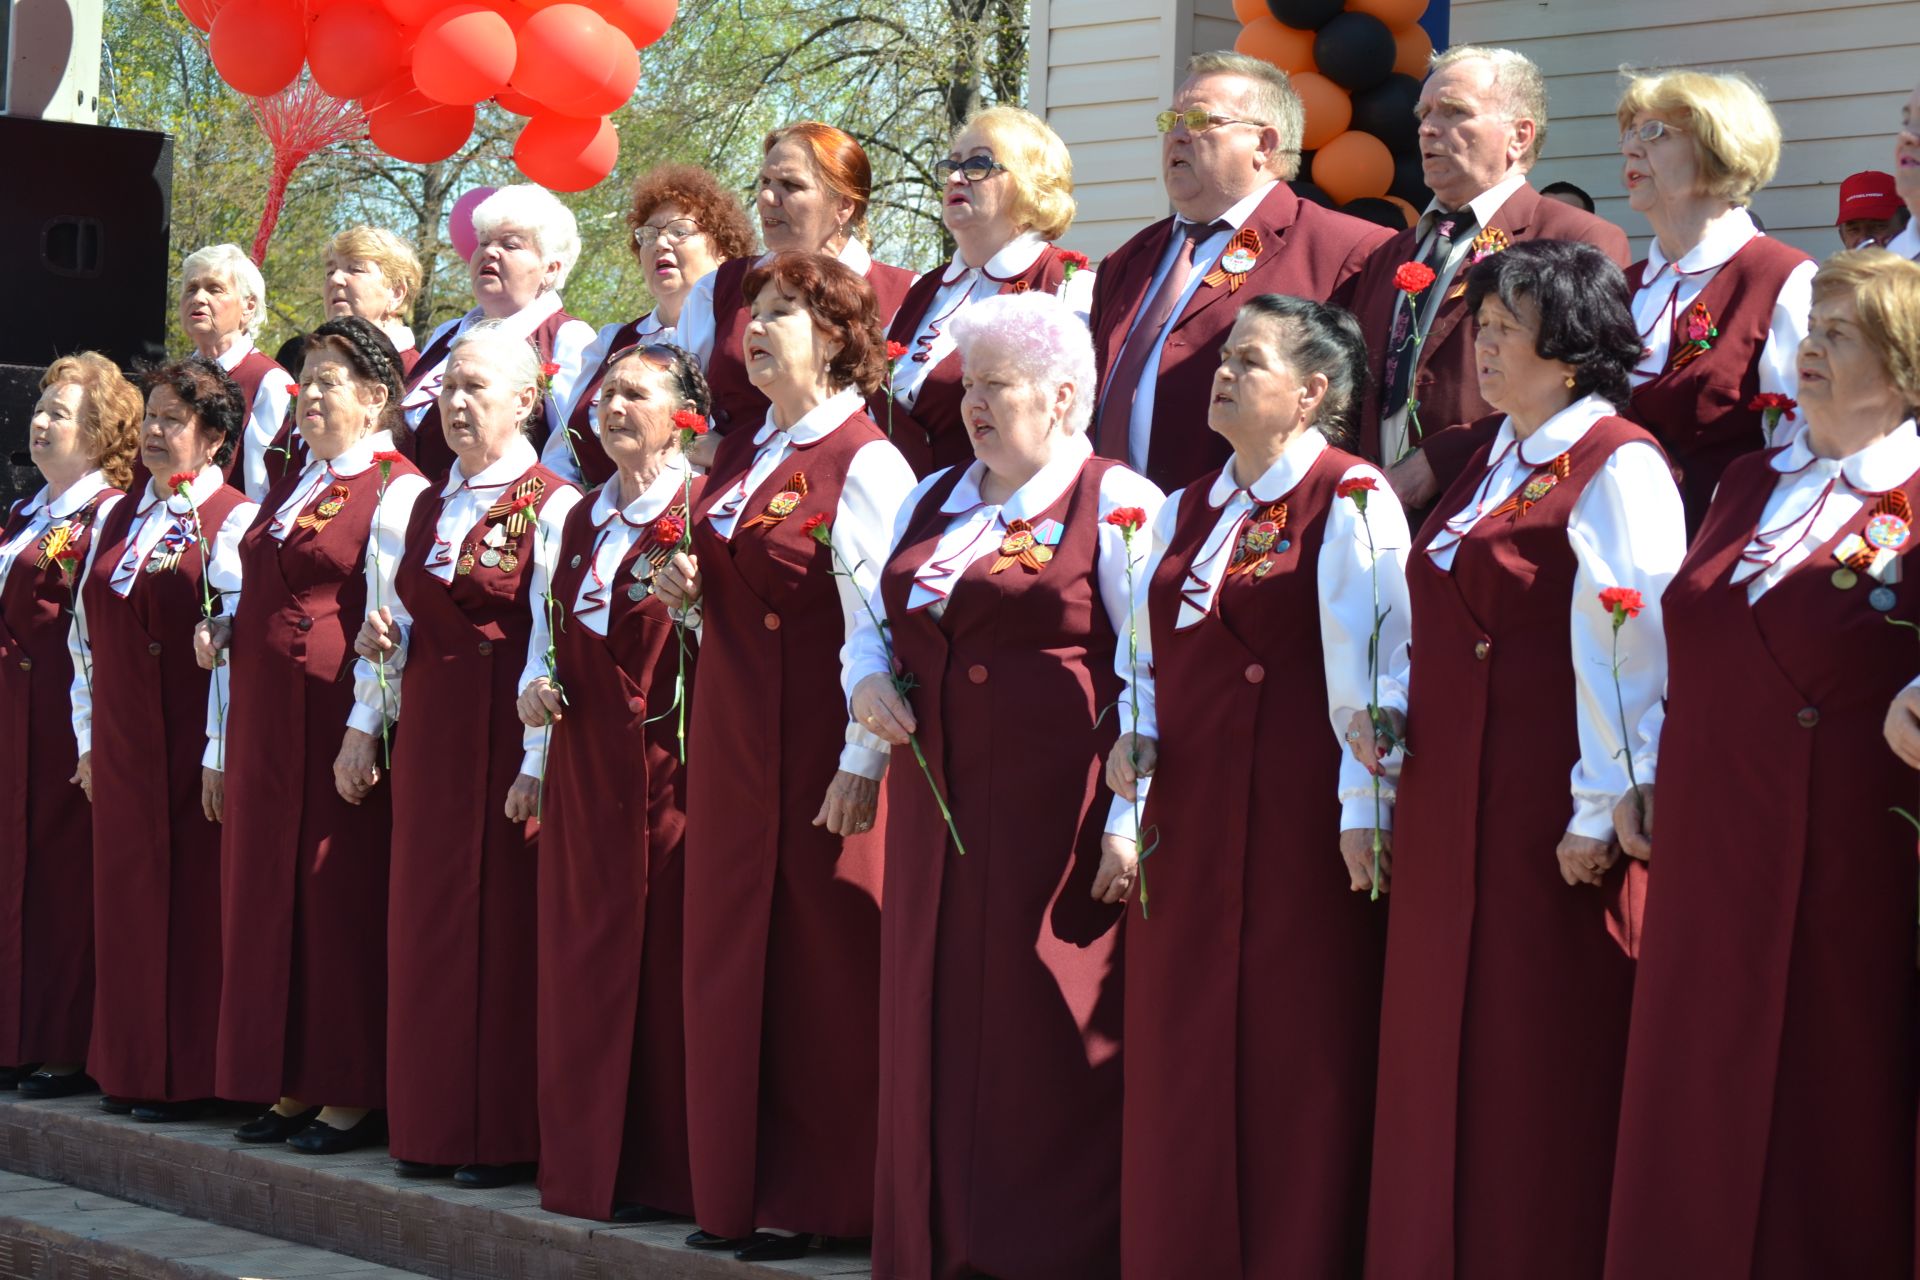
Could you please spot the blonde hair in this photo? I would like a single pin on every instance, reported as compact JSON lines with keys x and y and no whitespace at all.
{"x":110,"y":412}
{"x":1523,"y":90}
{"x":1736,"y":138}
{"x":1270,"y":100}
{"x":1037,"y":164}
{"x":1885,"y":289}
{"x":385,"y":250}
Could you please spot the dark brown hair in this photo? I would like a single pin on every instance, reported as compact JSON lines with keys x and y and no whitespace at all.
{"x":369,"y":353}
{"x":210,"y":393}
{"x":841,"y":303}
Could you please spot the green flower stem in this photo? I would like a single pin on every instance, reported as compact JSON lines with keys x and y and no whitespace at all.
{"x":206,"y":612}
{"x":1133,"y":705}
{"x":1626,"y":730}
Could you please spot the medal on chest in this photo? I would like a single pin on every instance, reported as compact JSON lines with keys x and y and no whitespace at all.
{"x":1693,"y":335}
{"x":1489,"y":242}
{"x":1874,"y":552}
{"x":1537,"y":487}
{"x":331,"y":504}
{"x":62,"y":535}
{"x":658,"y":543}
{"x":166,"y":554}
{"x":1263,"y":536}
{"x":782,"y":504}
{"x":1028,"y":545}
{"x":1242,"y":252}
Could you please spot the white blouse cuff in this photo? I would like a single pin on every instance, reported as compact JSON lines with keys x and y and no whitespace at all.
{"x":1593,"y":817}
{"x":861,"y":760}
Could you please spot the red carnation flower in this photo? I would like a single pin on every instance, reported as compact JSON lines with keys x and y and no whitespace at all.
{"x":816,"y":527}
{"x":180,"y":480}
{"x":689,"y":421}
{"x":1073,"y":261}
{"x":1355,"y":484}
{"x":895,"y":350}
{"x":668,"y":530}
{"x":548,"y":369}
{"x":388,"y":458}
{"x":1412,"y":277}
{"x":1127,"y":518}
{"x":522,"y":502}
{"x":1775,"y":401}
{"x":1622,"y":600}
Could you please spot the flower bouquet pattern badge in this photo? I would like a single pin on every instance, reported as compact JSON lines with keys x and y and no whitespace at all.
{"x":1874,"y":552}
{"x":331,"y":504}
{"x":1263,"y":535}
{"x":1028,"y":545}
{"x":1236,"y":262}
{"x":1693,"y":333}
{"x":1489,"y":242}
{"x":782,"y":504}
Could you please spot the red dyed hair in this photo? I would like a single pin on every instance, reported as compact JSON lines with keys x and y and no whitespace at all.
{"x":842,"y":305}
{"x":837,"y":158}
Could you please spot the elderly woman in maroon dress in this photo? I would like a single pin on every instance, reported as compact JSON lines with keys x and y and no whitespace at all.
{"x":304,"y":893}
{"x":783,"y":858}
{"x":223,"y":303}
{"x":1007,"y":196}
{"x":815,"y":184}
{"x":160,"y":559}
{"x":1005,"y":589}
{"x":684,"y":225}
{"x":1264,"y":585}
{"x":1504,"y":1016}
{"x":613,"y":1140}
{"x":1767,"y":1123}
{"x":82,"y":438}
{"x":454,"y":638}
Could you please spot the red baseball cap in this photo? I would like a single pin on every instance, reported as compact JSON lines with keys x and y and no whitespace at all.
{"x":1868,"y":195}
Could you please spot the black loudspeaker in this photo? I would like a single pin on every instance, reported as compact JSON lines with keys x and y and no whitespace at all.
{"x":19,"y":392}
{"x":84,"y":245}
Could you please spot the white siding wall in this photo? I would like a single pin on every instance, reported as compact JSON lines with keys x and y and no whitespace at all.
{"x":1836,"y":77}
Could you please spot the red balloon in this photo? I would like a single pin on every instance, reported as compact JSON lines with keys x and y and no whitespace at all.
{"x":610,"y":94}
{"x":200,"y":12}
{"x":566,"y":153}
{"x":354,"y":48}
{"x":415,"y":128}
{"x":518,"y":103}
{"x":641,"y":21}
{"x":565,"y":52}
{"x":464,"y":55}
{"x":412,"y":13}
{"x":258,"y":45}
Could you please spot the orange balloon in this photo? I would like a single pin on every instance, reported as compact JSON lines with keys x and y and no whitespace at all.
{"x":1266,"y":39}
{"x":413,"y":127}
{"x":354,"y":48}
{"x":1353,"y":165}
{"x":1329,"y":108}
{"x":1407,"y":211}
{"x":641,"y":21}
{"x":1395,"y":13}
{"x":566,"y":52}
{"x":1245,"y":11}
{"x":566,"y":153}
{"x":258,"y":45}
{"x":464,"y":55}
{"x":1414,"y":50}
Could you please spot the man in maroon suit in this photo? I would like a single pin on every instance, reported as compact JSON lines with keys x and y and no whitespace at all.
{"x":1483,"y":119}
{"x":1164,"y":301}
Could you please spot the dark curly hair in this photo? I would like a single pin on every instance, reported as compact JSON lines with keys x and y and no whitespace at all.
{"x":369,"y":353}
{"x":842,"y":303}
{"x":212,"y":395}
{"x":1318,"y":337}
{"x":697,"y":192}
{"x":1581,"y":300}
{"x":682,"y":364}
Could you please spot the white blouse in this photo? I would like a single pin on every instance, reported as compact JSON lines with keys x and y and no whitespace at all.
{"x":569,"y":352}
{"x":176,"y":520}
{"x":1627,"y":529}
{"x":596,"y":353}
{"x":466,"y":504}
{"x":697,"y":323}
{"x":1813,"y":499}
{"x":41,"y":512}
{"x":264,"y":416}
{"x":1350,"y":550}
{"x":975,"y":530}
{"x":878,"y":481}
{"x":960,"y":287}
{"x":1669,"y":288}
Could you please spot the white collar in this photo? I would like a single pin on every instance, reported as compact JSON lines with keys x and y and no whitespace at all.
{"x":1557,"y":434}
{"x":818,"y":422}
{"x":509,"y":466}
{"x":207,"y":483}
{"x":1725,"y":237}
{"x":1484,"y":206}
{"x":1238,"y":215}
{"x":1042,"y":489}
{"x":1907,"y":243}
{"x":853,"y":256}
{"x":521,"y":323}
{"x":1885,"y":464}
{"x":399,"y":335}
{"x":356,"y":457}
{"x":242,"y":348}
{"x":1015,"y":257}
{"x":1278,"y":480}
{"x":656,"y":498}
{"x":78,"y":495}
{"x":648,"y":325}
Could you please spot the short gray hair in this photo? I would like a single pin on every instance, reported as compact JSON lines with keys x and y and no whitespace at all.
{"x":231,"y":261}
{"x":502,"y":352}
{"x":1523,"y":90}
{"x":1271,"y":99}
{"x":539,"y":213}
{"x":1049,"y":344}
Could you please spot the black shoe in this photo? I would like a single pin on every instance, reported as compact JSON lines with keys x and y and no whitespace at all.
{"x":708,"y":1240}
{"x":10,"y":1077}
{"x":765,"y":1246}
{"x":272,"y":1126}
{"x":117,"y":1106}
{"x":42,"y":1085}
{"x":482,"y":1177}
{"x":169,"y":1112}
{"x":632,"y":1213}
{"x":322,"y":1139}
{"x":420,"y":1169}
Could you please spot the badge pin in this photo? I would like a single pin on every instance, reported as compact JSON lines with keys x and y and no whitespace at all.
{"x":1043,"y":553}
{"x":643,"y":568}
{"x":509,"y":562}
{"x":637,"y":592}
{"x":1237,"y":261}
{"x":465,"y":566}
{"x":576,"y":562}
{"x":1883,"y":599}
{"x":490,"y":558}
{"x":1888,"y":531}
{"x":783,"y":503}
{"x":1845,"y":578}
{"x":1263,"y":568}
{"x":1538,"y":487}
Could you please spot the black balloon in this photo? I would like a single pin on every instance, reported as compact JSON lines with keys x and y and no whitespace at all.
{"x":1355,"y":51}
{"x":1409,"y":183}
{"x":1386,"y":112}
{"x":1375,"y":209}
{"x":1307,"y":191}
{"x":1305,"y":15}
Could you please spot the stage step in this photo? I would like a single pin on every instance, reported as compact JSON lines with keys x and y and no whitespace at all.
{"x":349,"y":1205}
{"x":49,"y":1230}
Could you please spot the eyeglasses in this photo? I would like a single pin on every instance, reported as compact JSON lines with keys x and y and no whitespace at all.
{"x":1648,"y":131}
{"x":1197,"y":120}
{"x":679,"y":231}
{"x":973,"y":169}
